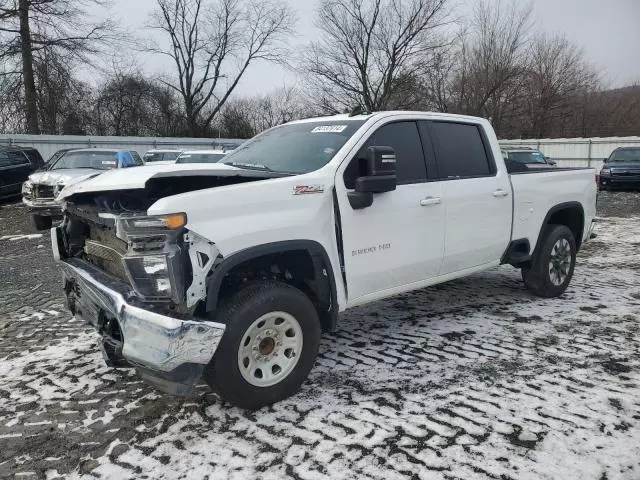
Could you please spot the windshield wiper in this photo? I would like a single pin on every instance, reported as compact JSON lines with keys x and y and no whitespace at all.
{"x":250,"y":166}
{"x":259,"y":167}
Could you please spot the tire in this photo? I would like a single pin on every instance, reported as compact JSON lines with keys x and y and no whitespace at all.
{"x":233,"y":371}
{"x":42,"y":222}
{"x":547,"y":280}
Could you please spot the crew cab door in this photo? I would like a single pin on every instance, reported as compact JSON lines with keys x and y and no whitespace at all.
{"x":476,"y":196}
{"x":14,"y":169}
{"x":398,"y":239}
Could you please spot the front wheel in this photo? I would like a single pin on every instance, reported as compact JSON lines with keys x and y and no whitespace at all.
{"x":269,"y":345}
{"x":553,"y":264}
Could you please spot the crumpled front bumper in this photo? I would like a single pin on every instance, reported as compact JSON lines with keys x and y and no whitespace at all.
{"x":169,"y":352}
{"x":44,"y":206}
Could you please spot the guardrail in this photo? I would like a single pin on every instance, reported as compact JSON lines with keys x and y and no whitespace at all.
{"x":47,"y":145}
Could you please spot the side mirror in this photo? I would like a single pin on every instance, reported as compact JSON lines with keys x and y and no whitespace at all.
{"x":550,"y":161}
{"x":380,"y":177}
{"x":605,"y":160}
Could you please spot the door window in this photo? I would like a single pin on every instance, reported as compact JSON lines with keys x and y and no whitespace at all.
{"x":11,"y":159}
{"x":460,"y":150}
{"x":404,"y":138}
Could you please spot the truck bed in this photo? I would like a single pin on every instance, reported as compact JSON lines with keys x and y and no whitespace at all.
{"x":536,"y":192}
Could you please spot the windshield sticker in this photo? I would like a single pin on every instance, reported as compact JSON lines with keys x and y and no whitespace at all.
{"x":329,"y":129}
{"x":108,"y":162}
{"x":307,"y":189}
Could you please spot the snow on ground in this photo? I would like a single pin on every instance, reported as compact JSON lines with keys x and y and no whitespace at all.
{"x":13,"y":238}
{"x":475,"y":379}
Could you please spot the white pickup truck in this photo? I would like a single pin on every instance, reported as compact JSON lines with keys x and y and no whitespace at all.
{"x":231,"y":271}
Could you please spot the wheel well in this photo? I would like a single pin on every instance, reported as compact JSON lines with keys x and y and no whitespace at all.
{"x":308,"y":271}
{"x":571,"y":216}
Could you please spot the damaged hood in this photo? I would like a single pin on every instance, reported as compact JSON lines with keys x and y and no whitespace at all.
{"x":63,"y":176}
{"x":137,"y":177}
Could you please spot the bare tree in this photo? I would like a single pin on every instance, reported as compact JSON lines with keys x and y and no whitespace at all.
{"x":367,"y":45}
{"x":11,"y":105}
{"x":28,"y":27}
{"x":129,"y":103}
{"x":245,"y":117}
{"x":281,"y":106}
{"x":493,"y":59}
{"x":557,"y":74}
{"x":63,"y":101}
{"x":212,"y":45}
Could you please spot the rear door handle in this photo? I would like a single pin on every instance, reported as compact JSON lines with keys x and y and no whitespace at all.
{"x":500,"y":193}
{"x":430,"y":201}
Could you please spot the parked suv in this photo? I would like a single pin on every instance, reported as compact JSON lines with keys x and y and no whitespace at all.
{"x":621,"y":169}
{"x":528,"y":157}
{"x":16,"y":164}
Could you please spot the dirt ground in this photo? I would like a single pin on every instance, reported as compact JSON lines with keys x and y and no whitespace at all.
{"x":475,"y":379}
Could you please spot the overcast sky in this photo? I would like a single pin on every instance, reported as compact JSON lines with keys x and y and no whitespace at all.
{"x":607,"y":30}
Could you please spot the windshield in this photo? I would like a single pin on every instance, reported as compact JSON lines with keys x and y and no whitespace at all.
{"x":200,"y":157}
{"x":527,"y":157}
{"x":161,"y":156}
{"x":55,"y":157}
{"x":96,"y":160}
{"x":626,"y":155}
{"x":294,"y":148}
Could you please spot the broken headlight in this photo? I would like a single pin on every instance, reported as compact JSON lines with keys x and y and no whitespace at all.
{"x":152,"y":276}
{"x":155,"y":259}
{"x":26,"y":188}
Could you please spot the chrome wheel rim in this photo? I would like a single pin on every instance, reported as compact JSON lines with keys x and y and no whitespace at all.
{"x":560,"y":262}
{"x":270,"y":349}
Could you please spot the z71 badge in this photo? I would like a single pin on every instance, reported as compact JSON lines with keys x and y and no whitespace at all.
{"x":307,"y":189}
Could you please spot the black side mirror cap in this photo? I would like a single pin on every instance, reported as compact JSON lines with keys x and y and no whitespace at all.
{"x":378,"y":175}
{"x":376,"y":184}
{"x":360,"y":200}
{"x":381,"y":161}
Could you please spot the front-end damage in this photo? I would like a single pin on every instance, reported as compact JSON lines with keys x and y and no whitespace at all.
{"x":141,"y":282}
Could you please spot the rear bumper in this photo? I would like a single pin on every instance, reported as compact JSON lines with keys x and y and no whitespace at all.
{"x":45,"y":207}
{"x":169,"y":352}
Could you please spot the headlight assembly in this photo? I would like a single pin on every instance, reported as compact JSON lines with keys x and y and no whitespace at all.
{"x":26,"y":188}
{"x":150,"y":275}
{"x":173,"y":221}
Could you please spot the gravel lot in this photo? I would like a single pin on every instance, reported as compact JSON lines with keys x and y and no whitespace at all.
{"x":470,"y":380}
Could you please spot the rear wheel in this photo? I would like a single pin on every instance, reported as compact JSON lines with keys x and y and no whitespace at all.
{"x":552,"y":265}
{"x":269,"y":345}
{"x":42,"y":222}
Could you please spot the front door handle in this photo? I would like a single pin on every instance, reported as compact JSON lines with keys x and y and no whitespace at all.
{"x":500,"y":193}
{"x":430,"y":201}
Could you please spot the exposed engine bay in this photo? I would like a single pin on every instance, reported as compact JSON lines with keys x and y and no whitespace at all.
{"x":162,"y":261}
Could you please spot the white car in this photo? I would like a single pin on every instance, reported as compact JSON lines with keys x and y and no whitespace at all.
{"x":160,"y":157}
{"x":39,"y":192}
{"x":201,"y":156}
{"x":230,"y":271}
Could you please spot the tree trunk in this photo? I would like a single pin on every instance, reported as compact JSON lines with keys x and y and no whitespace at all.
{"x":27,"y":69}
